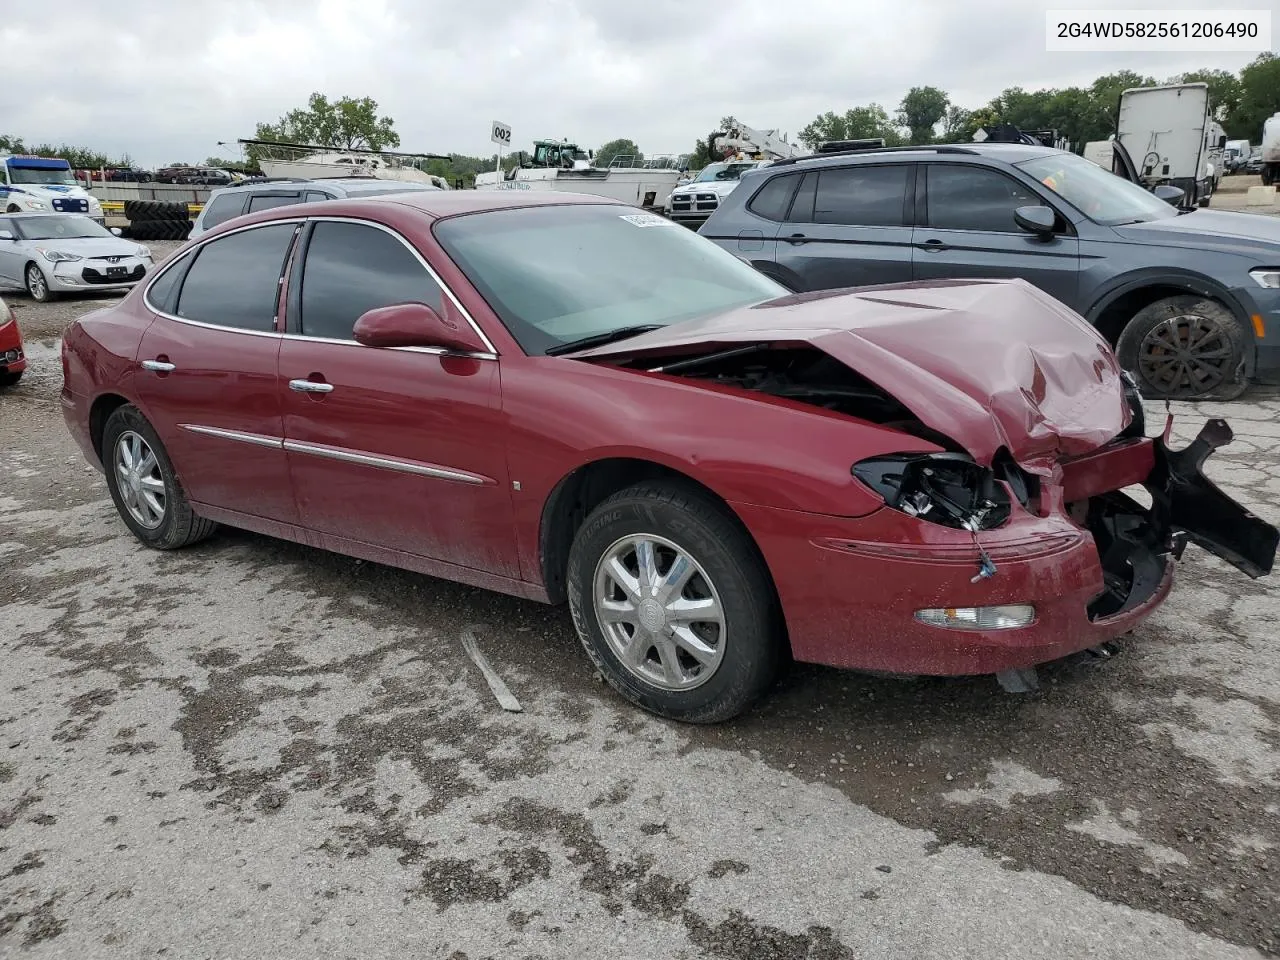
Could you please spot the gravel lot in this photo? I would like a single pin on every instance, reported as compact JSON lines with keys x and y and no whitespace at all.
{"x":255,"y":749}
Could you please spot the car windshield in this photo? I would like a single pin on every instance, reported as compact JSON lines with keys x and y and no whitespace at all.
{"x":558,"y":274}
{"x":723,"y":171}
{"x":31,"y":175}
{"x":64,"y":227}
{"x":1099,"y":194}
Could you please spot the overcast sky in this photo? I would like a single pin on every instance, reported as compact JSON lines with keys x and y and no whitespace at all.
{"x":165,"y":80}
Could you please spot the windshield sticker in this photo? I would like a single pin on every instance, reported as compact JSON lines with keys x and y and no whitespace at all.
{"x":647,"y":220}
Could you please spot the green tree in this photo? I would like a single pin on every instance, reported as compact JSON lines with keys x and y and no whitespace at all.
{"x":857,"y":123}
{"x":1259,"y":98}
{"x":344,"y":124}
{"x":617,"y":148}
{"x":955,"y":123}
{"x":1106,"y":92}
{"x":921,"y":110}
{"x":1224,"y":89}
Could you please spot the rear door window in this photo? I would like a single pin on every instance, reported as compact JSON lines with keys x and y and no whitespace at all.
{"x":315,"y":197}
{"x":235,"y":281}
{"x":862,"y":196}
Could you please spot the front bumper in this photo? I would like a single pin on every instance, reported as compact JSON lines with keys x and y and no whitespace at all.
{"x":95,"y":274}
{"x":12,"y":360}
{"x":1262,"y":307}
{"x":850,"y":587}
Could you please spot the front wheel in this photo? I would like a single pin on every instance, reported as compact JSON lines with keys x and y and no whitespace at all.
{"x":144,"y":486}
{"x":38,"y":284}
{"x":673,"y":604}
{"x":1185,"y":348}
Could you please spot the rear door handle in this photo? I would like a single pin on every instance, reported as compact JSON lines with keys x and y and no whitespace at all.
{"x":933,"y":246}
{"x":797,"y":238}
{"x":310,"y":386}
{"x":158,"y":366}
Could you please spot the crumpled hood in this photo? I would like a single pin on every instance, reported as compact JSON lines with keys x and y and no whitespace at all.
{"x":988,"y":363}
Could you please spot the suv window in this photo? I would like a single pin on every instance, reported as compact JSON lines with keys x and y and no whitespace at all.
{"x":352,"y":268}
{"x":268,"y":201}
{"x":223,"y":208}
{"x":314,"y":196}
{"x":961,"y":197}
{"x":774,"y":197}
{"x":235,"y":280}
{"x":862,"y":196}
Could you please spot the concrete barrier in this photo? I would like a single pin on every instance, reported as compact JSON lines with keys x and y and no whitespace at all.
{"x":1260,"y":196}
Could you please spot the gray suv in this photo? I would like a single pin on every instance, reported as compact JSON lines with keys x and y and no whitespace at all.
{"x":1189,"y":299}
{"x":254,"y":195}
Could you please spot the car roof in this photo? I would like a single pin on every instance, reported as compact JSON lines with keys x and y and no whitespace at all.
{"x":343,"y":183}
{"x":448,"y":203}
{"x":1007,"y":152}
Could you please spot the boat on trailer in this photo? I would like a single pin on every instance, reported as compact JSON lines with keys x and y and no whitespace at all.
{"x":564,"y":166}
{"x":317,"y":162}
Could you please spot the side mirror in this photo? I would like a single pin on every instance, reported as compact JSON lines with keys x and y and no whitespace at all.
{"x":5,"y":235}
{"x":117,"y":232}
{"x":1038,"y":220}
{"x":416,"y":325}
{"x":1169,"y":194}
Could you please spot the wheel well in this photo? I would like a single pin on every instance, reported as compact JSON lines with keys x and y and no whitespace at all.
{"x":575,"y":496}
{"x":102,"y":408}
{"x":1117,"y":314}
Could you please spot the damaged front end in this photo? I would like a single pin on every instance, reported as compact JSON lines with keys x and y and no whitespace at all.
{"x":1135,"y":542}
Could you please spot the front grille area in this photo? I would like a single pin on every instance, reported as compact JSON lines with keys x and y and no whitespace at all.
{"x":72,"y":205}
{"x":113,"y":274}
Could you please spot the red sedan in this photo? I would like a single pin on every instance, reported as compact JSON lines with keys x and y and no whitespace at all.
{"x":12,"y":359}
{"x":566,"y":399}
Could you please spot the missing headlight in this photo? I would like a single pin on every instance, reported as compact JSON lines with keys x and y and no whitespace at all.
{"x":946,"y":488}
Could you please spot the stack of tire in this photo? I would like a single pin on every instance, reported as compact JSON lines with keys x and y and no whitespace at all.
{"x":157,"y":219}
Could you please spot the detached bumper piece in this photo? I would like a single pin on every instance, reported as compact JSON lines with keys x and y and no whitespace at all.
{"x":1185,"y":501}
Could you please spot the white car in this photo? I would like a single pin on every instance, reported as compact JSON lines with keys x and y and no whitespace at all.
{"x":43,"y":185}
{"x":49,"y":254}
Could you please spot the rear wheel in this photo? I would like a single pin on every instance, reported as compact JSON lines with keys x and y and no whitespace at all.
{"x":1185,"y":348}
{"x":673,"y":604}
{"x":144,"y":486}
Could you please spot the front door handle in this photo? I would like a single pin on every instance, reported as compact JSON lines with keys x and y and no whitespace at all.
{"x":797,"y":238}
{"x":310,"y":386}
{"x":933,"y":246}
{"x":158,"y":366}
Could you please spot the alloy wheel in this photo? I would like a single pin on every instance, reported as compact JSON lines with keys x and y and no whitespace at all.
{"x":659,"y":612}
{"x":37,"y":285}
{"x":142,"y":487}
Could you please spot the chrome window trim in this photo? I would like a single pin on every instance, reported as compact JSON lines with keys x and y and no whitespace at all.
{"x":491,"y":354}
{"x":444,"y":288}
{"x":257,"y":439}
{"x":387,"y":463}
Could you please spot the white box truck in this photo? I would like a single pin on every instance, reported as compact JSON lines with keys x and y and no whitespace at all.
{"x":1271,"y":150}
{"x":1172,"y":138}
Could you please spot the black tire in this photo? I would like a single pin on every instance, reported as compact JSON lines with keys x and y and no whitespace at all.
{"x":1142,"y":350}
{"x":147,"y":230}
{"x":161,"y":210}
{"x":9,"y":379}
{"x":753,"y":637}
{"x":179,"y":526}
{"x":13,"y":208}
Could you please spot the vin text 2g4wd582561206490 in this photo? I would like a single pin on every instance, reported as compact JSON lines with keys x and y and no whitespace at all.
{"x":563,"y":398}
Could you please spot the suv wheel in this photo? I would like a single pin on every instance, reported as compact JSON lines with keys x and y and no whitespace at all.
{"x":1185,"y":348}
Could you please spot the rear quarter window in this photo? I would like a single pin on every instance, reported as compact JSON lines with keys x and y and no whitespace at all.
{"x":774,"y":198}
{"x":223,"y":208}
